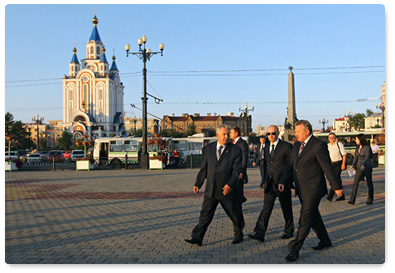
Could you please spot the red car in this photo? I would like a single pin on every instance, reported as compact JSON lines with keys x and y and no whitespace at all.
{"x":55,"y":154}
{"x":67,"y":155}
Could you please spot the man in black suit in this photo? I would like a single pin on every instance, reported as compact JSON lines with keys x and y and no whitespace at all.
{"x":310,"y":161}
{"x":221,"y":166}
{"x":243,"y":178}
{"x":259,"y":159}
{"x":278,"y":171}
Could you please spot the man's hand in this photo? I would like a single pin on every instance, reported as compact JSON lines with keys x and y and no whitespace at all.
{"x":254,"y":164}
{"x":240,"y":176}
{"x":281,"y":187}
{"x":344,"y":166}
{"x":362,"y":168}
{"x":195,"y":189}
{"x":226,"y":190}
{"x":339,"y":193}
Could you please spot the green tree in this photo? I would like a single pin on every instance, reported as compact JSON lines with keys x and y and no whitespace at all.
{"x":369,"y":112}
{"x":191,"y":129}
{"x":17,"y":132}
{"x":357,"y":121}
{"x":65,"y":141}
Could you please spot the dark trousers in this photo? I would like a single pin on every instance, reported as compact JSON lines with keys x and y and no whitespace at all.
{"x":310,"y":217}
{"x":338,"y":170}
{"x":262,"y":170}
{"x":240,"y":190}
{"x":375,"y":160}
{"x":230,"y":206}
{"x":358,"y":177}
{"x":268,"y":204}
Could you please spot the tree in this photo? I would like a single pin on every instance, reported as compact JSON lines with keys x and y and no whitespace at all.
{"x":357,"y":121}
{"x":369,"y":112}
{"x":17,"y":132}
{"x":65,"y":141}
{"x":191,"y":129}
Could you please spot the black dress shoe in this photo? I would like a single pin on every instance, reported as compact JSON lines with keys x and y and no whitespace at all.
{"x":321,"y":246}
{"x":351,"y":203}
{"x":287,"y":235}
{"x":329,"y":199}
{"x":194,"y":241}
{"x":238,"y":239}
{"x":257,"y":236}
{"x":342,"y":198}
{"x":369,"y":202}
{"x":292,"y":256}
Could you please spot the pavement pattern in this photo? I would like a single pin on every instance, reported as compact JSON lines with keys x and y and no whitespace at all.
{"x":140,"y":216}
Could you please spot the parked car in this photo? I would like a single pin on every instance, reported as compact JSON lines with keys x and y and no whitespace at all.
{"x":76,"y":154}
{"x":12,"y":154}
{"x":33,"y":158}
{"x":67,"y":155}
{"x":44,"y":155}
{"x":55,"y":154}
{"x":22,"y":154}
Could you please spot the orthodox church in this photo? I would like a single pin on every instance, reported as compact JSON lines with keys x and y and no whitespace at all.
{"x":93,"y":93}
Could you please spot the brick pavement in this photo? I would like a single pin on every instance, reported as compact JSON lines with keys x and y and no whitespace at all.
{"x":136,"y":216}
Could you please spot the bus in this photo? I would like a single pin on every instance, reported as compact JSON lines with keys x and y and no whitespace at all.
{"x":115,"y":151}
{"x":348,"y":139}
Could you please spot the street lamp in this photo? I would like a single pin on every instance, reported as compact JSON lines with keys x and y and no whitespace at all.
{"x":382,"y":108}
{"x":323,"y":121}
{"x":245,"y":116}
{"x":37,"y":120}
{"x":144,"y":55}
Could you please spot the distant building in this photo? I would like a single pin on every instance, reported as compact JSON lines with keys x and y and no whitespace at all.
{"x":204,"y":123}
{"x":134,"y":124}
{"x":373,"y":121}
{"x":341,"y":124}
{"x":93,"y":93}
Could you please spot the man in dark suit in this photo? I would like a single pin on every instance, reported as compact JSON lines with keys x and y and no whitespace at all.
{"x":278,"y":170}
{"x":243,"y":178}
{"x":221,"y":166}
{"x":310,"y":161}
{"x":259,"y":159}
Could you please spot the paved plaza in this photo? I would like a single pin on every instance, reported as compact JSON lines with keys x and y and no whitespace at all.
{"x":138,"y":216}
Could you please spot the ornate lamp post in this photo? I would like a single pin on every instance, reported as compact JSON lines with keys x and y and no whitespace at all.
{"x":37,"y":120}
{"x":144,"y":55}
{"x":245,"y":116}
{"x":323,"y":121}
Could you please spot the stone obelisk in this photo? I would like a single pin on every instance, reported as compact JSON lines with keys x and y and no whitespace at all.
{"x":291,"y":99}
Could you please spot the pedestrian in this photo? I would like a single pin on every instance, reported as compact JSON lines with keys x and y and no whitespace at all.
{"x":310,"y":161}
{"x":338,"y":156}
{"x":363,"y":165}
{"x":277,"y":155}
{"x":243,"y":178}
{"x":259,"y":159}
{"x":375,"y":150}
{"x":176,"y":157}
{"x":221,"y":166}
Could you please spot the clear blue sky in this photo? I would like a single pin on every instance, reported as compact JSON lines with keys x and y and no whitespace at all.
{"x":268,"y":38}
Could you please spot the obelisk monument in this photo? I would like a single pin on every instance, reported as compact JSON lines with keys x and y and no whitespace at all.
{"x":291,"y":99}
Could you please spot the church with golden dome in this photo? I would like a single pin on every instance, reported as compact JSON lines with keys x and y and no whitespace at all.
{"x":93,"y":94}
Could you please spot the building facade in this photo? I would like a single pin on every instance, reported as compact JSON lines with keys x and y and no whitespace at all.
{"x":204,"y":123}
{"x":134,"y":124}
{"x":93,"y":93}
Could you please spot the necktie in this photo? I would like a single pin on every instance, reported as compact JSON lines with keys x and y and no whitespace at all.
{"x":301,"y":148}
{"x":271,"y":152}
{"x":219,"y":151}
{"x":262,"y":152}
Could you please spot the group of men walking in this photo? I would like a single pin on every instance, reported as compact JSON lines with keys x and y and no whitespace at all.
{"x":283,"y":166}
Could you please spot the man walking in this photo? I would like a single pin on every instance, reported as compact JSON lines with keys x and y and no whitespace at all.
{"x":278,"y":171}
{"x":259,"y":159}
{"x":243,"y":178}
{"x":338,"y":156}
{"x":221,"y":166}
{"x":310,"y":161}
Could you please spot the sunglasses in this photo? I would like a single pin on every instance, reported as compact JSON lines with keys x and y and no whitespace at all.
{"x":273,"y":134}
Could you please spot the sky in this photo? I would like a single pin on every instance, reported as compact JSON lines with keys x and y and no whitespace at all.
{"x":216,"y":57}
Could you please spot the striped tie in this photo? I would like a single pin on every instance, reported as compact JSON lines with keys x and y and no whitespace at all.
{"x":219,"y":152}
{"x":301,"y":148}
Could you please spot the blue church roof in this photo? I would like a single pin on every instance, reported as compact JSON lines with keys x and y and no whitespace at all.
{"x":103,"y":58}
{"x":74,"y":59}
{"x":113,"y":66}
{"x":95,"y":35}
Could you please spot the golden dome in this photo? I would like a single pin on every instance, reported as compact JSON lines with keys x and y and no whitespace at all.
{"x":95,"y":21}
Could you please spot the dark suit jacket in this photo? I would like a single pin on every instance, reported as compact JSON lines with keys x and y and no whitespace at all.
{"x":242,"y":144}
{"x":279,"y":166}
{"x":258,"y":153}
{"x":309,"y":168}
{"x":219,"y":173}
